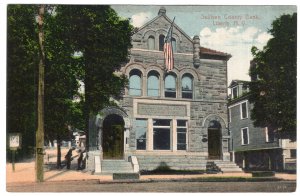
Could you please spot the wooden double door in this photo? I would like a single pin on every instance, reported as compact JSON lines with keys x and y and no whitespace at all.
{"x":214,"y":143}
{"x":113,"y":137}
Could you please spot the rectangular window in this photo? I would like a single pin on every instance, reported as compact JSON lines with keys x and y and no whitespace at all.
{"x":140,"y":128}
{"x":244,"y":110}
{"x":245,"y":89}
{"x":229,"y":114}
{"x":170,"y":86}
{"x":245,"y":136}
{"x":270,"y":135}
{"x":170,"y":93}
{"x":235,"y":92}
{"x":293,"y":153}
{"x":161,"y":134}
{"x":181,"y":134}
{"x":187,"y":94}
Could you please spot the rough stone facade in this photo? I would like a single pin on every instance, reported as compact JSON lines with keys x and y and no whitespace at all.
{"x":208,"y":103}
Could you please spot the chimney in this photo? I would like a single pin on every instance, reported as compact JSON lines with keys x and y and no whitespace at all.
{"x":162,"y":11}
{"x":196,"y":51}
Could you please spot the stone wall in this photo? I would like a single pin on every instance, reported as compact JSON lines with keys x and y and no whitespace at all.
{"x":160,"y":26}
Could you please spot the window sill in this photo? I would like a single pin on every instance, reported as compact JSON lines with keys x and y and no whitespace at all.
{"x":244,"y":118}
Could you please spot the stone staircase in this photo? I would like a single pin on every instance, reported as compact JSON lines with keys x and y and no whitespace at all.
{"x":115,"y":166}
{"x":227,"y":166}
{"x":212,"y":168}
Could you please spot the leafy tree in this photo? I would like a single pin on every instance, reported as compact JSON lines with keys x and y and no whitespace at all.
{"x":273,"y":88}
{"x":22,"y":61}
{"x":96,"y":32}
{"x":104,"y":41}
{"x":62,"y":73}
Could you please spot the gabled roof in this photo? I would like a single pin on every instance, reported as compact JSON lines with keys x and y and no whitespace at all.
{"x":170,"y":21}
{"x":203,"y":50}
{"x":236,"y":82}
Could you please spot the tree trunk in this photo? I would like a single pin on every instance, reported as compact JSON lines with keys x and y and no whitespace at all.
{"x":87,"y":113}
{"x":58,"y":162}
{"x":40,"y":109}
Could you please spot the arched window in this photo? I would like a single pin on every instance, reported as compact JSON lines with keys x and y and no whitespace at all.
{"x":135,"y":84}
{"x":170,"y":86}
{"x":161,"y":42}
{"x":151,"y":43}
{"x":153,"y":84}
{"x":174,"y":46}
{"x":187,"y":86}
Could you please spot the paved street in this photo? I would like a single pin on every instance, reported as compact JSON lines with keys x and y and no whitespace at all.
{"x":94,"y":186}
{"x":23,"y":180}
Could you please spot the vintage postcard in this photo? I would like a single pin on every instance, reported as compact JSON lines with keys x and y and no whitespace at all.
{"x":151,"y":98}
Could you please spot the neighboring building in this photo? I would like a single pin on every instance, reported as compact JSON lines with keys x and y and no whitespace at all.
{"x":80,"y":139}
{"x":176,"y":119}
{"x":255,"y":148}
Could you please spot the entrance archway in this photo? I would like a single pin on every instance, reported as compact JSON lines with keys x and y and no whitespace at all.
{"x":113,"y":137}
{"x":214,"y":140}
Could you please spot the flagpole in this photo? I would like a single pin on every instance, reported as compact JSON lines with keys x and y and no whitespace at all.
{"x":168,"y":49}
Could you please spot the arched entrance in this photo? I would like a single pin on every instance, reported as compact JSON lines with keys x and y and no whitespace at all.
{"x":214,"y":140}
{"x":113,"y":137}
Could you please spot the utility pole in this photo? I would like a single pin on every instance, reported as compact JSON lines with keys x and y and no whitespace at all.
{"x":40,"y":108}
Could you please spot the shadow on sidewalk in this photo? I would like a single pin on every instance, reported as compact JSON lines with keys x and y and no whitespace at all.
{"x":56,"y":175}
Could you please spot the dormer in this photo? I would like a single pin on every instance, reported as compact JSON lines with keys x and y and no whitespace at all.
{"x":238,"y":88}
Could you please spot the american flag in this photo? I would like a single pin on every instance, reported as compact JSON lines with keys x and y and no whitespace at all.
{"x":168,"y":49}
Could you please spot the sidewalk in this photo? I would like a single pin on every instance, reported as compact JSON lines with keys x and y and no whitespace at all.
{"x":25,"y":173}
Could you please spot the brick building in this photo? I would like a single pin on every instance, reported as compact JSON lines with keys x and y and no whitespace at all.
{"x":176,"y":119}
{"x":255,"y":148}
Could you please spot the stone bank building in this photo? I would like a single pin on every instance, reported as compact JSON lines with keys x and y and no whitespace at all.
{"x":176,"y":119}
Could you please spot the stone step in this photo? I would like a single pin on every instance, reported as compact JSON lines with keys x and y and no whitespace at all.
{"x":116,"y":171}
{"x":227,"y":166}
{"x":116,"y":166}
{"x":232,"y":168}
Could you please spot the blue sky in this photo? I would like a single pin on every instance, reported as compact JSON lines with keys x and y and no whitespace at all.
{"x":230,"y":29}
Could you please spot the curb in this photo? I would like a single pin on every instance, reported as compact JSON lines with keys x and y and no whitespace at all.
{"x":205,"y":179}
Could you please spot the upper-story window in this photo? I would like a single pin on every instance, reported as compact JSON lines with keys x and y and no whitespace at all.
{"x":135,"y":83}
{"x":161,"y":42}
{"x":174,"y":46}
{"x":245,"y":89}
{"x":244,"y":110}
{"x":153,"y":84}
{"x":187,"y":86}
{"x":170,"y":86}
{"x":234,"y":92}
{"x":151,"y":43}
{"x":270,"y":136}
